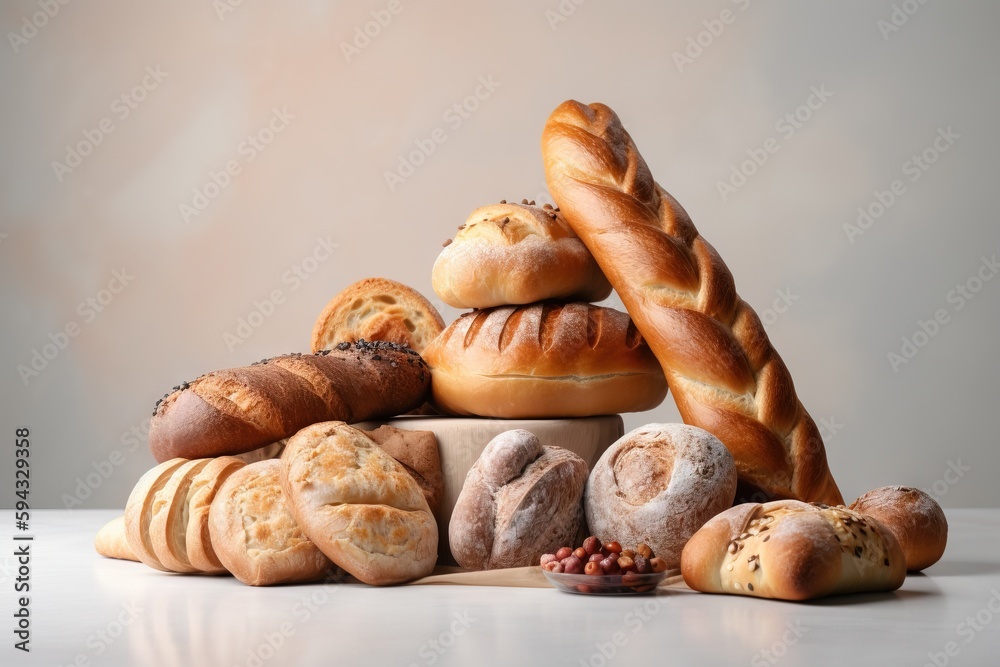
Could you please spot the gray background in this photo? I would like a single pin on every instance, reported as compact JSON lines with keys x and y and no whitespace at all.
{"x":851,"y":300}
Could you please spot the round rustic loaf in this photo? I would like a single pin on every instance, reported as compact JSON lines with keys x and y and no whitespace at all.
{"x":916,"y":520}
{"x":659,"y":484}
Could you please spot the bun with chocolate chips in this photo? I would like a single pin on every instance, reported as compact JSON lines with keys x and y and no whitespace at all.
{"x":513,"y":254}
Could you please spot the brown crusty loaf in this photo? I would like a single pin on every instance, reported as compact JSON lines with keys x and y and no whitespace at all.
{"x":913,"y":517}
{"x":111,"y":542}
{"x":241,"y":409}
{"x":512,"y":254}
{"x":792,"y":550}
{"x":377,"y":309}
{"x":659,"y":484}
{"x":543,"y":360}
{"x":254,"y":534}
{"x":358,"y":504}
{"x":520,"y":500}
{"x":417,"y":452}
{"x":724,"y":374}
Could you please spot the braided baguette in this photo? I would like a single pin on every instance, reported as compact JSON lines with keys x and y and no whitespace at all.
{"x":721,"y":368}
{"x":240,"y":409}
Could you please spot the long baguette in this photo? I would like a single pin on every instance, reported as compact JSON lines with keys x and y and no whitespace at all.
{"x":721,"y":368}
{"x":240,"y":409}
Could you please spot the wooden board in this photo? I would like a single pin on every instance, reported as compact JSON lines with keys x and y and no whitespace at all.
{"x":461,"y":440}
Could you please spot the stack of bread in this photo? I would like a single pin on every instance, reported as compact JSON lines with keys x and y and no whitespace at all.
{"x":277,"y":473}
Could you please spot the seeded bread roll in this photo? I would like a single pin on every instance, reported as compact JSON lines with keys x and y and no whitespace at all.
{"x":659,"y":484}
{"x":241,"y":409}
{"x":377,"y":309}
{"x":913,"y":517}
{"x":543,"y":360}
{"x":358,"y":504}
{"x":790,"y":550}
{"x":111,"y":542}
{"x":521,"y":499}
{"x":512,"y":254}
{"x":254,"y":534}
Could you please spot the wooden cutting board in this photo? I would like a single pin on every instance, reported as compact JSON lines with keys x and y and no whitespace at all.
{"x":461,"y":440}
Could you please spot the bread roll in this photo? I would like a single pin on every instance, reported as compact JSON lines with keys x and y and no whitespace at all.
{"x":111,"y":542}
{"x":725,"y":375}
{"x":254,"y":534}
{"x":913,"y":517}
{"x":241,"y":409}
{"x":168,"y":523}
{"x":417,"y":452}
{"x":359,"y":506}
{"x":204,"y":486}
{"x":790,"y":550}
{"x":377,"y":309}
{"x":146,"y":496}
{"x":543,"y":360}
{"x":512,"y":254}
{"x":520,"y":500}
{"x":659,"y":484}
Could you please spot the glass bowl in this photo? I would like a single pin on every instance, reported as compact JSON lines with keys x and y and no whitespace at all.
{"x":605,"y":584}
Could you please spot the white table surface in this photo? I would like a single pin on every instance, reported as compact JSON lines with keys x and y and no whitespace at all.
{"x":88,"y":610}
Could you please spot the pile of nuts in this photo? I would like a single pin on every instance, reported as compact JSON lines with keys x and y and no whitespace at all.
{"x":609,"y":558}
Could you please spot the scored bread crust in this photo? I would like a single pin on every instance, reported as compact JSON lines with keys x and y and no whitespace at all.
{"x":724,"y":374}
{"x":358,"y":504}
{"x":791,"y":550}
{"x":914,"y":518}
{"x":516,"y":254}
{"x":377,"y":309}
{"x":543,"y":360}
{"x":658,"y":484}
{"x":241,"y":409}
{"x":200,"y":553}
{"x":521,"y":499}
{"x":254,"y":534}
{"x":111,"y":542}
{"x":139,"y":510}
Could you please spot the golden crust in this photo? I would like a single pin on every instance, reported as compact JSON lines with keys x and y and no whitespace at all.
{"x":111,"y":542}
{"x":916,"y":519}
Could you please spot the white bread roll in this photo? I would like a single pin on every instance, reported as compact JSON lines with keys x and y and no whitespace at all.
{"x":659,"y":484}
{"x":790,"y":550}
{"x":513,"y":254}
{"x":520,"y":500}
{"x":541,"y":361}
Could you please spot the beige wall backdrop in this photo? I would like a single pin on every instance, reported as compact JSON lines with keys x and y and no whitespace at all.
{"x":170,"y":169}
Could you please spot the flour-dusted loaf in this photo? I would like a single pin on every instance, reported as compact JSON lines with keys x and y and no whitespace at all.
{"x":241,"y":409}
{"x":377,"y":309}
{"x":513,"y":254}
{"x":913,"y":517}
{"x":725,"y":375}
{"x":658,"y":484}
{"x":358,"y":504}
{"x":521,"y":499}
{"x":254,"y":534}
{"x":791,"y":550}
{"x":543,"y":360}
